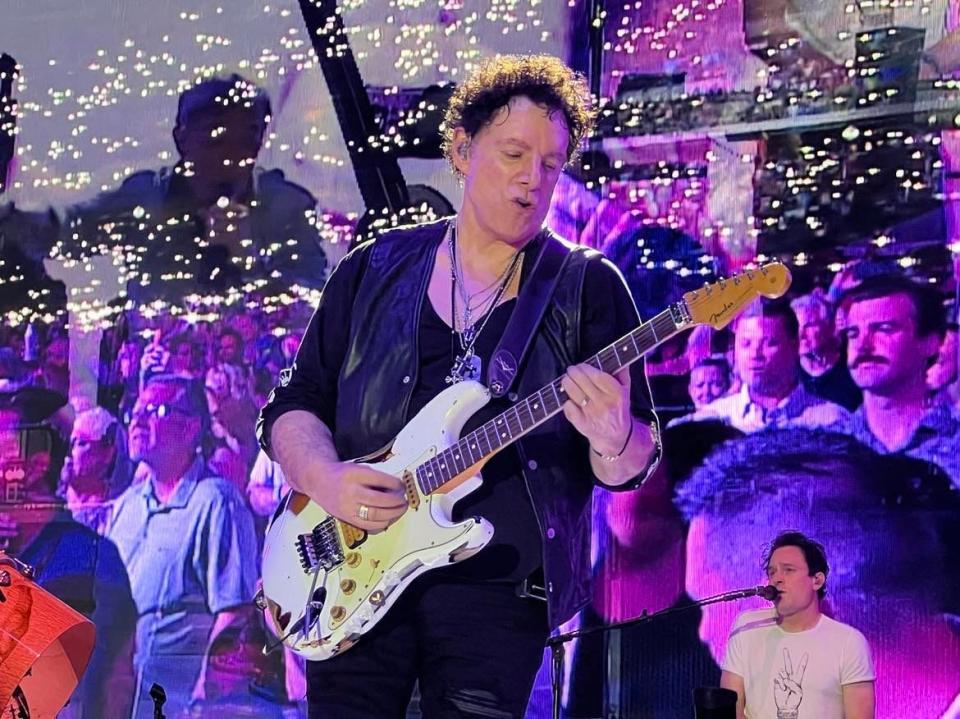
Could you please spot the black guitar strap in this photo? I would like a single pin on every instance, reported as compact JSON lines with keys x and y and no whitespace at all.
{"x":531,"y":304}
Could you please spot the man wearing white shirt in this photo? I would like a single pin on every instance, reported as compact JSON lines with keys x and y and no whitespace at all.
{"x":767,"y":360}
{"x":792,"y":661}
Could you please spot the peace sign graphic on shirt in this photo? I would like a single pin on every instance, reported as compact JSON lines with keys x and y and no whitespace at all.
{"x":788,"y":686}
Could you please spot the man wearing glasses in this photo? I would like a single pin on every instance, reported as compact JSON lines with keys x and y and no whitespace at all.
{"x":187,"y":540}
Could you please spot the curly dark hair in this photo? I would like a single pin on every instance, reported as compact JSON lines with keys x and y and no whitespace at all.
{"x":545,"y":79}
{"x":813,"y":553}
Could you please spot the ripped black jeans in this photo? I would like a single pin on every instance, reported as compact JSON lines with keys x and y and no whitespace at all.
{"x":474,"y":648}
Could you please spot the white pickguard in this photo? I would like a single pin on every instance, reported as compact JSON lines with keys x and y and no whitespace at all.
{"x":360,"y":590}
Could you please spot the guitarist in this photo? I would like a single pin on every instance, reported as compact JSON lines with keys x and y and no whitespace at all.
{"x":421,"y":307}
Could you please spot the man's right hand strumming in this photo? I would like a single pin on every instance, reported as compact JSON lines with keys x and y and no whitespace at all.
{"x":353,"y":493}
{"x":359,"y":495}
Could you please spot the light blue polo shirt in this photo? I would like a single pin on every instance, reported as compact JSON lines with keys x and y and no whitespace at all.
{"x":187,"y":559}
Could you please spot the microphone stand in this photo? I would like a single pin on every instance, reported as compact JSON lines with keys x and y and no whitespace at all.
{"x":558,"y":643}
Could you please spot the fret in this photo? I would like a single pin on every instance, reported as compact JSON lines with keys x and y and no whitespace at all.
{"x":455,"y":458}
{"x":443,"y":471}
{"x":483,"y":439}
{"x":472,"y":447}
{"x":523,"y":416}
{"x":502,"y":430}
{"x":432,"y":469}
{"x":514,"y":423}
{"x":490,"y":431}
{"x":537,"y":411}
{"x":557,"y":390}
{"x":421,"y":475}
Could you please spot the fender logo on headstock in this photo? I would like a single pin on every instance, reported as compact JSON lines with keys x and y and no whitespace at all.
{"x":717,"y":316}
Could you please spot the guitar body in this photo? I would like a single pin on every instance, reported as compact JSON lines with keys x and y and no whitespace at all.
{"x":319,"y":610}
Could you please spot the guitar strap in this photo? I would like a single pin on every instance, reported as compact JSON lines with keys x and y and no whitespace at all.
{"x":531,"y":304}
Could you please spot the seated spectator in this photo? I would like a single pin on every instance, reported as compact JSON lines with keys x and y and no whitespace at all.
{"x":883,"y":518}
{"x":942,"y":376}
{"x":894,"y":330}
{"x":54,"y":368}
{"x":187,"y":540}
{"x":233,"y":443}
{"x":823,"y":368}
{"x":709,"y":381}
{"x":766,"y":355}
{"x":185,"y":358}
{"x":97,"y":469}
{"x":72,"y":562}
{"x":244,"y":225}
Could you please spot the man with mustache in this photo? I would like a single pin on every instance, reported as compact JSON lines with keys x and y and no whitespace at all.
{"x":766,"y":357}
{"x":894,"y":328}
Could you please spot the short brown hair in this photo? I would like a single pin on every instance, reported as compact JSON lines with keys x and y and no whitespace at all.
{"x":545,"y":79}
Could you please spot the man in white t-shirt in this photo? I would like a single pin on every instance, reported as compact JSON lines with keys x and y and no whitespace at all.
{"x":791,"y":661}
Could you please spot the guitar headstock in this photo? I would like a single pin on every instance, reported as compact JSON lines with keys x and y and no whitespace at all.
{"x":717,"y":304}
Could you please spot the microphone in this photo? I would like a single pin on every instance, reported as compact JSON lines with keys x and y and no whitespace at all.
{"x":767,"y":591}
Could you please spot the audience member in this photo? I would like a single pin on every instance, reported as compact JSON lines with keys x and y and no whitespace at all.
{"x":766,"y":348}
{"x":97,"y":470}
{"x":244,"y":225}
{"x":823,"y":368}
{"x":187,"y":540}
{"x":186,"y":357}
{"x":942,"y":376}
{"x":72,"y":562}
{"x":894,"y":330}
{"x":709,"y":380}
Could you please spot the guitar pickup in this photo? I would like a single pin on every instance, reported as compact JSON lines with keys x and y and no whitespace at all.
{"x":410,"y":490}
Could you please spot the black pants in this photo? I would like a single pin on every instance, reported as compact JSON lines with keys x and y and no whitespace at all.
{"x":474,"y":648}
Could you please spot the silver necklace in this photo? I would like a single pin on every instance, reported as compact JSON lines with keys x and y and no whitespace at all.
{"x":467,"y":364}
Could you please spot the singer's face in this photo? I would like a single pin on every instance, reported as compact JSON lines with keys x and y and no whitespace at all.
{"x":788,"y":571}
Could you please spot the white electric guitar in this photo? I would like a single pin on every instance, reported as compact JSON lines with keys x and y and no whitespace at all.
{"x":326,"y":583}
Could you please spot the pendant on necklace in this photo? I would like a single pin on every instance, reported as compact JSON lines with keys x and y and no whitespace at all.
{"x":465,"y":367}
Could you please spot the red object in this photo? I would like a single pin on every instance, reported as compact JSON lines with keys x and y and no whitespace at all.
{"x":44,"y":644}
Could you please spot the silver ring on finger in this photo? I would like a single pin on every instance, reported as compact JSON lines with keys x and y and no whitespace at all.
{"x":584,"y":401}
{"x":363,"y":512}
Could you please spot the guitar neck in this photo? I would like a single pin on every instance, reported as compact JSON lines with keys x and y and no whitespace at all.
{"x":505,"y":428}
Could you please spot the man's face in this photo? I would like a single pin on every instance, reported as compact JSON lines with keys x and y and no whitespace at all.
{"x":221,"y":146}
{"x":816,"y":333}
{"x":884,"y":352}
{"x":510,"y":168}
{"x":944,"y":370}
{"x":765,"y":354}
{"x":247,"y":327}
{"x":707,"y":383}
{"x":57,"y":353}
{"x":789,"y":572}
{"x":162,"y":428}
{"x":181,"y":358}
{"x":91,"y":453}
{"x":229,"y":349}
